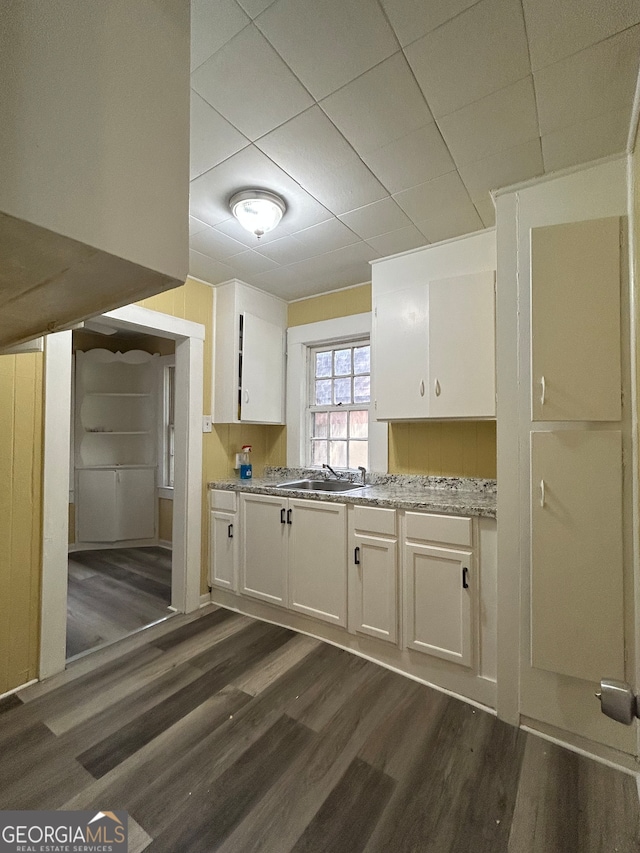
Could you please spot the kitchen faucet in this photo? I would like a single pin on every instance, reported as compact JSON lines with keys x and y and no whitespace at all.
{"x":361,"y":468}
{"x":335,"y":474}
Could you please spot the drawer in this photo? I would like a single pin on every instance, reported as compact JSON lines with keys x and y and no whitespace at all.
{"x":374,"y":519}
{"x":439,"y":528}
{"x":222,"y":500}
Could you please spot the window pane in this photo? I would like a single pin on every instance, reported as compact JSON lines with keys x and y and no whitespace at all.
{"x":318,"y":453}
{"x":357,"y":454}
{"x":342,"y":390}
{"x":359,"y":424}
{"x":323,"y":392}
{"x":338,"y":454}
{"x":342,"y":362}
{"x":320,"y":424}
{"x":361,"y":359}
{"x":361,"y":389}
{"x":323,"y":363}
{"x":338,"y":425}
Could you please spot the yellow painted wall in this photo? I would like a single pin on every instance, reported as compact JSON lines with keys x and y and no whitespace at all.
{"x":431,"y":448}
{"x":194,"y":301}
{"x":21,"y":436}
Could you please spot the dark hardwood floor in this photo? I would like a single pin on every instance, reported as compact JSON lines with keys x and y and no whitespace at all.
{"x":113,"y":592}
{"x":217,"y":732}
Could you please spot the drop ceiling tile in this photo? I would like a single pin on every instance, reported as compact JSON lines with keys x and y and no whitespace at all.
{"x":250,"y":263}
{"x":433,"y":198}
{"x":195,"y":226}
{"x":556,"y":30}
{"x":496,"y":123}
{"x":232,"y":228}
{"x":328,"y":44}
{"x":283,"y":282}
{"x":383,"y":104}
{"x":250,"y":85}
{"x":285,"y":250}
{"x":599,"y":79}
{"x":350,"y":262}
{"x":412,"y":19}
{"x":326,"y":237}
{"x":216,"y":245}
{"x":375,"y":219}
{"x":398,"y":241}
{"x":318,"y":157}
{"x":588,"y":140}
{"x":210,"y":195}
{"x":212,"y":25}
{"x":452,"y":223}
{"x":212,"y":138}
{"x":479,"y":52}
{"x":418,"y":157}
{"x":503,"y":169}
{"x":205,"y":268}
{"x":486,"y":209}
{"x":253,"y":8}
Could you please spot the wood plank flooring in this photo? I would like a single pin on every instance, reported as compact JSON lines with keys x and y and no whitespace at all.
{"x":115,"y":591}
{"x":217,"y":732}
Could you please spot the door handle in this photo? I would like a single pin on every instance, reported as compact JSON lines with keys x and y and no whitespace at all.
{"x":289,"y":511}
{"x":542,"y":495}
{"x":356,"y":556}
{"x":437,"y":388}
{"x":230,"y":531}
{"x":465,"y":578}
{"x":282,"y":518}
{"x":543,"y":390}
{"x":422,"y":387}
{"x":246,"y":396}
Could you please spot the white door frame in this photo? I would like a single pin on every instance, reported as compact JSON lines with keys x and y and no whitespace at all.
{"x":187,"y":496}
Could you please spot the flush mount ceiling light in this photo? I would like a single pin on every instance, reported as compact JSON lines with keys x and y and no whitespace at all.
{"x":257,"y":210}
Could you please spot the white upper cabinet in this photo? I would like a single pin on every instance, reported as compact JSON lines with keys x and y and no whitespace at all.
{"x":249,"y":355}
{"x":433,"y":335}
{"x":575,"y":321}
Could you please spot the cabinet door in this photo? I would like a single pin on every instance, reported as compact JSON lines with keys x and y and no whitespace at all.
{"x":262,"y":393}
{"x":399,"y":353}
{"x":264,"y":547}
{"x":223,"y":552}
{"x":96,"y":516}
{"x":577,"y":606}
{"x":318,"y":560}
{"x":373,"y":587}
{"x":135,"y":503}
{"x":462,"y":364}
{"x":575,"y":321}
{"x":438,"y":612}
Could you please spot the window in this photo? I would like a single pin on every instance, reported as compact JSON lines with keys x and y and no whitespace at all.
{"x":168,"y":426}
{"x":338,"y":412}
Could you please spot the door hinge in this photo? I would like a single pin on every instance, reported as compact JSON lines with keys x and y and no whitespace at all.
{"x":375,"y":405}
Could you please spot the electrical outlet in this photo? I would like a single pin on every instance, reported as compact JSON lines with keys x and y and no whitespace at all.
{"x":206,"y":423}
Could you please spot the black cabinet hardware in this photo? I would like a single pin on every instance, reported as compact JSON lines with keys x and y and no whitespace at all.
{"x":289,"y":511}
{"x":282,"y":512}
{"x":356,"y":556}
{"x":230,"y":531}
{"x":465,"y":578}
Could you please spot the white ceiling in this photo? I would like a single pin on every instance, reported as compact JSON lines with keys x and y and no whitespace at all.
{"x":385,"y":123}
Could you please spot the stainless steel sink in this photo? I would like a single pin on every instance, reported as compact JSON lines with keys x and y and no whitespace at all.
{"x":321,"y":485}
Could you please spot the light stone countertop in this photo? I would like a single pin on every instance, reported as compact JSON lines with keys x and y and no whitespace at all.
{"x":448,"y":495}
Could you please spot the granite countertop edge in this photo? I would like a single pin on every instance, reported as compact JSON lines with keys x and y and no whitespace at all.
{"x":449,"y":495}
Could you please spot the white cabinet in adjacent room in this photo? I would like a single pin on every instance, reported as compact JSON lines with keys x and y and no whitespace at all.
{"x":249,"y":355}
{"x":223,"y":540}
{"x":114,"y":505}
{"x":439,"y":587}
{"x":373,"y":573}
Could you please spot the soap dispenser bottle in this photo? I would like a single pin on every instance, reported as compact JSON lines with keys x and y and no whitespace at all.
{"x":243,"y":463}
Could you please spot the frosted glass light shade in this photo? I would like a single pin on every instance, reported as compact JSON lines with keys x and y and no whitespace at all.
{"x":257,"y":211}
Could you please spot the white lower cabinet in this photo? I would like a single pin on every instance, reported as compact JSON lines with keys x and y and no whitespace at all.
{"x":294,"y":553}
{"x":223,"y":540}
{"x":115,"y":504}
{"x":438,"y":587}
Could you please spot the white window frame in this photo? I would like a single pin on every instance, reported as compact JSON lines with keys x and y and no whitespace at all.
{"x":164,"y":362}
{"x":300,"y":341}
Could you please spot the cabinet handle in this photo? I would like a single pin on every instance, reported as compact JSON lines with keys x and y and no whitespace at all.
{"x":437,"y":388}
{"x":246,"y":396}
{"x":542,"y":499}
{"x":289,"y":511}
{"x":465,"y":578}
{"x":356,"y":556}
{"x":422,"y":387}
{"x":282,"y":518}
{"x":543,"y":390}
{"x":230,"y":531}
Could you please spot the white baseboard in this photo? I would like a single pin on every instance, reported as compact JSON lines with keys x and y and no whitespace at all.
{"x":164,"y":543}
{"x":103,"y":546}
{"x":205,"y":599}
{"x":16,"y":689}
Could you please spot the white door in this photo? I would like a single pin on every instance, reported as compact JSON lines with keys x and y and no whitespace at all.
{"x":373,"y":590}
{"x":262,"y":393}
{"x":462,"y":363}
{"x":96,"y":515}
{"x":223,"y":553}
{"x":264,"y":533}
{"x":399,"y":353}
{"x":318,"y":560}
{"x":135,"y":503}
{"x":439,"y":585}
{"x":575,"y":321}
